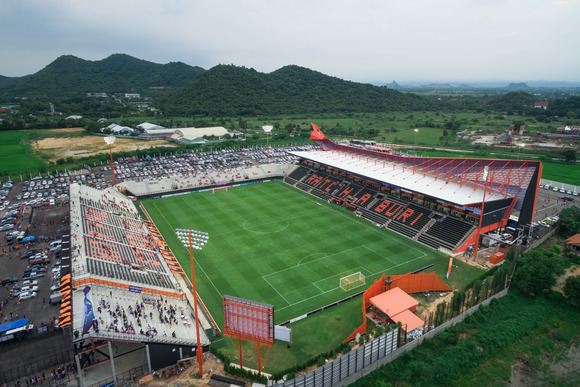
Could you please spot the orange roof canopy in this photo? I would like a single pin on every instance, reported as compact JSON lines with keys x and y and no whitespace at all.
{"x":393,"y":302}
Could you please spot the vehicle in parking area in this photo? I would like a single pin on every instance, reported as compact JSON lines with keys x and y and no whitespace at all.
{"x":8,"y":281}
{"x":26,"y":295}
{"x":57,"y":242}
{"x":33,"y":275}
{"x":38,"y":261}
{"x":6,"y":227}
{"x":29,"y":289}
{"x":29,"y":283}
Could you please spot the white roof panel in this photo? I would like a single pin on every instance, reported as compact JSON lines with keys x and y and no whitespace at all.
{"x":400,"y":175}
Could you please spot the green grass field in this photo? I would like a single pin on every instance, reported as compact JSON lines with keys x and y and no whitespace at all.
{"x":16,"y":153}
{"x":275,"y":244}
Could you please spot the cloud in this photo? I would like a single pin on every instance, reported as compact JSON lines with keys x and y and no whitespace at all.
{"x":365,"y":40}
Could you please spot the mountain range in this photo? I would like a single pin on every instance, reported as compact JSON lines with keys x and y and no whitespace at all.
{"x":118,"y":73}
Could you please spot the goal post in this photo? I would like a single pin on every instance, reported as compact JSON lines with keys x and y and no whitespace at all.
{"x":352,"y":281}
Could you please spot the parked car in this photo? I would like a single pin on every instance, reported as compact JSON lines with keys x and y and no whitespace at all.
{"x":29,"y":289}
{"x":29,"y":283}
{"x":26,"y":295}
{"x":8,"y":281}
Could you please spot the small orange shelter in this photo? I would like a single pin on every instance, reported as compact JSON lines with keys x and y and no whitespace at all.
{"x":398,"y":306}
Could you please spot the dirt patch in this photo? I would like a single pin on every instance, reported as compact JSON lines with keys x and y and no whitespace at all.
{"x":76,"y":147}
{"x":572,"y":271}
{"x":432,"y":306}
{"x":562,"y":367}
{"x":63,"y":130}
{"x":211,"y":365}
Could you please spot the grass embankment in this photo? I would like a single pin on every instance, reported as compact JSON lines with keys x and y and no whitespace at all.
{"x":481,"y":350}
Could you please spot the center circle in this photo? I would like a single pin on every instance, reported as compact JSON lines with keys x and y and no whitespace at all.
{"x":266,"y":225}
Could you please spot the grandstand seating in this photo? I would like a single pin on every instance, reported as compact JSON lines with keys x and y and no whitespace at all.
{"x":297,"y":174}
{"x":349,"y":189}
{"x":446,"y":233}
{"x":116,"y":243}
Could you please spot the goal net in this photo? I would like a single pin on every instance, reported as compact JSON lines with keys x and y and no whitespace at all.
{"x":352,"y":281}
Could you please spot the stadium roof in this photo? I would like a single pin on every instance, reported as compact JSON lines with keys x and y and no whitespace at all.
{"x":405,"y":176}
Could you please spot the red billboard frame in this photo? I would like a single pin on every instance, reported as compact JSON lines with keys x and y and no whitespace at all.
{"x":248,"y":320}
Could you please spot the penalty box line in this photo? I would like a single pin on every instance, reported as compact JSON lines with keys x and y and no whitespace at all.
{"x":366,"y":271}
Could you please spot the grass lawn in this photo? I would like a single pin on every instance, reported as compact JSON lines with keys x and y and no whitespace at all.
{"x":276,"y":244}
{"x":16,"y":152}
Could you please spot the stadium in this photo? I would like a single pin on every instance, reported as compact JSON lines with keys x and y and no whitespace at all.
{"x":292,"y":232}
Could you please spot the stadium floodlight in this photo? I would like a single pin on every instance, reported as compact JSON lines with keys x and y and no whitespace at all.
{"x":267,"y":129}
{"x":110,"y":140}
{"x":484,"y":175}
{"x":185,"y":237}
{"x":415,"y":142}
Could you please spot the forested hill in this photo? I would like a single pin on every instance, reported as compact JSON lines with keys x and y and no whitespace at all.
{"x":7,"y":80}
{"x":119,"y":73}
{"x":228,"y":90}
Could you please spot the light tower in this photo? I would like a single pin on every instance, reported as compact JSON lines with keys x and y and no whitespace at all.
{"x":110,"y":140}
{"x":267,"y":129}
{"x":415,"y":142}
{"x":200,"y":239}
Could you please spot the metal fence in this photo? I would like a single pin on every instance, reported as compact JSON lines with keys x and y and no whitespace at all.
{"x":32,"y":369}
{"x":348,"y":364}
{"x":125,"y":378}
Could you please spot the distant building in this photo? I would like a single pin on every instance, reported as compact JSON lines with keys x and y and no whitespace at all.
{"x":97,"y":95}
{"x":74,"y":118}
{"x":191,"y":135}
{"x":141,"y":103}
{"x":132,"y":95}
{"x":541,"y":105}
{"x":575,"y":130}
{"x":147,"y":126}
{"x":118,"y":129}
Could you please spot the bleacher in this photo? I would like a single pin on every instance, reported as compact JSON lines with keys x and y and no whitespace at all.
{"x":117,"y":244}
{"x":296,"y":175}
{"x":116,"y":263}
{"x":350,"y":189}
{"x":325,"y":188}
{"x":446,"y":233}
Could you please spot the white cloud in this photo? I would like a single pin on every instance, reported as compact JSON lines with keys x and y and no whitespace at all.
{"x":365,"y":40}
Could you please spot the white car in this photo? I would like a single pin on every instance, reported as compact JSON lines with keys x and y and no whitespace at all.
{"x":26,"y":295}
{"x":29,"y":283}
{"x":29,"y":289}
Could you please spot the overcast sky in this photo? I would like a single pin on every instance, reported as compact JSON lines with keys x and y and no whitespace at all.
{"x":359,"y":40}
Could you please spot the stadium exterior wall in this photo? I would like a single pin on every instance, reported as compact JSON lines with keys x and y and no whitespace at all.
{"x":158,"y":195}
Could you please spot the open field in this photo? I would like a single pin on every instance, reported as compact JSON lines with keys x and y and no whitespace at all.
{"x":54,"y":148}
{"x":15,"y":152}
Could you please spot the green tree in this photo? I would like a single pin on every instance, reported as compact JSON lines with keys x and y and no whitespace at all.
{"x":572,"y":290}
{"x":569,"y":156}
{"x":569,"y":223}
{"x":538,"y":271}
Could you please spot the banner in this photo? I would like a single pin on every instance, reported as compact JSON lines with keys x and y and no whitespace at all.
{"x":88,"y":315}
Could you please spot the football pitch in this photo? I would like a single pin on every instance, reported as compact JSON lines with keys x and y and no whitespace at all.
{"x":273,"y":243}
